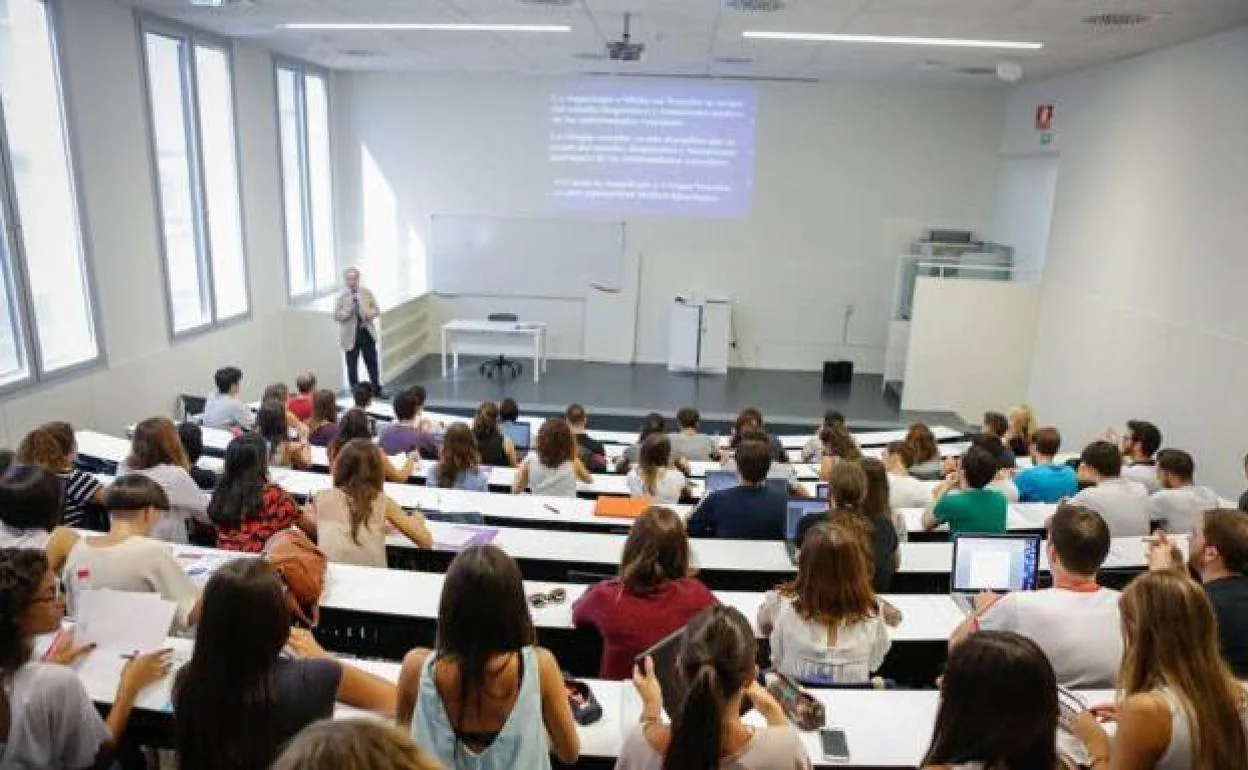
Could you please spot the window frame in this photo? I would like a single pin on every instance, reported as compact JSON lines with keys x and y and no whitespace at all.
{"x":193,"y":37}
{"x":301,"y":71}
{"x":26,"y":331}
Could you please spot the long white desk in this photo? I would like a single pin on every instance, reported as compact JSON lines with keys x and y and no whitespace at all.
{"x":493,"y":338}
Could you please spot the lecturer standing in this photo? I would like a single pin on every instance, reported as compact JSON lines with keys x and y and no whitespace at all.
{"x":356,"y":313}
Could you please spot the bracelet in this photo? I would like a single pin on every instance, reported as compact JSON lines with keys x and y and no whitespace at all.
{"x":650,"y":720}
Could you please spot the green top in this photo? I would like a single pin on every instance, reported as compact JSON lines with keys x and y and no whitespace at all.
{"x":972,"y":510}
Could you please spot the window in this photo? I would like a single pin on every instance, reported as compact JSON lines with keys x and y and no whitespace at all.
{"x":307,"y":180}
{"x":47,"y":322}
{"x":190,"y":95}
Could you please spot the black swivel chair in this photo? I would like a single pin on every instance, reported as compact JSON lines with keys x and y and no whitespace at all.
{"x":501,"y":365}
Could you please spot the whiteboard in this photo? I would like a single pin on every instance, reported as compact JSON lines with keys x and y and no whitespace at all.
{"x":515,"y":257}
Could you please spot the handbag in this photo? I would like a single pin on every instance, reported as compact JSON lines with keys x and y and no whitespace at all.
{"x":301,"y":566}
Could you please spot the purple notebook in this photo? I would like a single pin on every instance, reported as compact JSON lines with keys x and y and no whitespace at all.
{"x":460,"y":536}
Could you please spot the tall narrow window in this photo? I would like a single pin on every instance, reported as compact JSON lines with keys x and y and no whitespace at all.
{"x":307,"y":178}
{"x":45,"y":288}
{"x":196,"y":159}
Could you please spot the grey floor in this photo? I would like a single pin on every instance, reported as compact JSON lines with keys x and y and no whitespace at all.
{"x":617,"y":394}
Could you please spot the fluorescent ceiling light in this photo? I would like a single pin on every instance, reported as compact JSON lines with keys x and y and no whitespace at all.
{"x":414,"y":27}
{"x":948,"y":42}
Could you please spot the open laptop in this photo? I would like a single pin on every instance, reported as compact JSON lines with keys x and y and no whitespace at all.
{"x":993,"y":563}
{"x":519,"y":433}
{"x":797,"y":508}
{"x":720,"y":479}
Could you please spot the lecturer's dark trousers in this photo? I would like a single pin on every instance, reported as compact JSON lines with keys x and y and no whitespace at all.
{"x":365,"y":344}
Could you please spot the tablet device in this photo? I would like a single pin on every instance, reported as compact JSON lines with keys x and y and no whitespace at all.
{"x":720,"y":479}
{"x":995,"y":563}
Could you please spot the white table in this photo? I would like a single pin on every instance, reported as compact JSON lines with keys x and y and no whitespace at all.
{"x":492,"y":338}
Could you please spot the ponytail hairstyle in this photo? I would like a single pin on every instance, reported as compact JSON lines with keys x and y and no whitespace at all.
{"x":847,"y":487}
{"x":716,"y":663}
{"x":654,"y":457}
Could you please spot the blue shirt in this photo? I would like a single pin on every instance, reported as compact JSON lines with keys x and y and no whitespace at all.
{"x":740,"y":513}
{"x":1046,"y":484}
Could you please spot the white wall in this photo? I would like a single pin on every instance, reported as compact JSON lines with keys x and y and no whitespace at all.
{"x":1142,"y":312}
{"x":145,"y":370}
{"x":846,"y":175}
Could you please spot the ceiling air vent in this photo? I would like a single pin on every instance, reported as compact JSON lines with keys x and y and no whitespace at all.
{"x":1115,"y":20}
{"x":754,"y":6}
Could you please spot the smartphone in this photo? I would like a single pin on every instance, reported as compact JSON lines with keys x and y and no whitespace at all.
{"x":835,"y":746}
{"x":1070,"y":706}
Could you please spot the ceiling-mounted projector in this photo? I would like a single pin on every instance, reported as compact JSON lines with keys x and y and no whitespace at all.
{"x":625,"y":49}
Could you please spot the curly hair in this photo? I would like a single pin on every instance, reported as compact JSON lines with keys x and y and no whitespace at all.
{"x":40,"y":448}
{"x":459,"y":454}
{"x":21,"y":573}
{"x":555,"y":443}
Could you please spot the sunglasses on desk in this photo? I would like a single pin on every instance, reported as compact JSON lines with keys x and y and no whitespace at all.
{"x":555,"y":596}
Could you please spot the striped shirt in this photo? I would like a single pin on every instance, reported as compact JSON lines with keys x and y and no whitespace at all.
{"x":80,"y":491}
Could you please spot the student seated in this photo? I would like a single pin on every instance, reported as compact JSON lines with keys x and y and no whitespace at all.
{"x":247,"y":508}
{"x":555,"y":466}
{"x":904,"y":490}
{"x":749,"y":511}
{"x":1219,"y":558}
{"x":362,"y":395}
{"x":351,"y":517}
{"x":459,"y":463}
{"x":49,"y":720}
{"x":847,"y":488}
{"x":1075,"y":622}
{"x":749,"y":423}
{"x":962,"y":500}
{"x":997,"y":425}
{"x":1179,"y":502}
{"x":998,"y":708}
{"x":1003,"y":479}
{"x":300,"y":404}
{"x":30,"y":514}
{"x":241,"y":697}
{"x":323,"y":425}
{"x":654,"y":595}
{"x":156,"y":452}
{"x":410,"y":432}
{"x":126,"y":558}
{"x":1123,"y":503}
{"x":272,"y":426}
{"x":883,"y":528}
{"x":1179,"y":705}
{"x":280,"y":394}
{"x":838,"y":446}
{"x":509,"y":411}
{"x":827,"y":626}
{"x":224,"y":408}
{"x":352,"y":744}
{"x":496,"y":448}
{"x":591,"y":451}
{"x":778,"y":469}
{"x":487,"y":691}
{"x":353,"y":426}
{"x":1020,"y":429}
{"x":1046,"y":481}
{"x":716,"y":665}
{"x":192,"y":438}
{"x":813,"y":449}
{"x":927,"y":464}
{"x":689,"y":442}
{"x":652,"y":424}
{"x":655,"y":476}
{"x":1138,"y":445}
{"x":53,"y":447}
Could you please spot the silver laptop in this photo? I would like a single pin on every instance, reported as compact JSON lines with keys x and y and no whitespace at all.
{"x":993,"y":563}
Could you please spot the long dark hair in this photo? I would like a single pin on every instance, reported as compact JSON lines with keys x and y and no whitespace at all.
{"x":833,"y":583}
{"x":224,"y":697}
{"x":485,"y":424}
{"x":716,"y":662}
{"x":353,"y":425}
{"x":156,"y":442}
{"x":998,"y":705}
{"x":30,"y":498}
{"x":458,"y":455}
{"x":359,"y":473}
{"x":875,"y":503}
{"x":324,"y":409}
{"x":240,"y":492}
{"x":21,"y":573}
{"x":271,"y":423}
{"x":482,"y":613}
{"x":657,"y":549}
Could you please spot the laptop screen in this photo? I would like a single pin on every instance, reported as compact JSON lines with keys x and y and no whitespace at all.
{"x":995,"y":563}
{"x":796,"y":510}
{"x":821,"y":490}
{"x":518,"y":432}
{"x":717,"y":480}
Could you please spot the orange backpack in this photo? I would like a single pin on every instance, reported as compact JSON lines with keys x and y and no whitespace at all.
{"x":301,"y":567}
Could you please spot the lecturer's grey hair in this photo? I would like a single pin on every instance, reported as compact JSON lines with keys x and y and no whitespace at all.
{"x":351,"y":269}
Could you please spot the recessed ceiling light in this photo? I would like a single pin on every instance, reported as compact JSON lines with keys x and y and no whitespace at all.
{"x":949,"y":42}
{"x":417,"y":27}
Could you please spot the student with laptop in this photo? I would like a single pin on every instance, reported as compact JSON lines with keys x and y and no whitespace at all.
{"x":652,"y":424}
{"x":748,"y":511}
{"x":961,"y":500}
{"x":904,"y":490}
{"x":1138,"y":445}
{"x":1075,"y":622}
{"x":1123,"y":503}
{"x":555,"y":466}
{"x":1046,"y":481}
{"x":826,"y":626}
{"x":592,"y":453}
{"x":689,"y":441}
{"x":1176,"y":506}
{"x":496,"y":448}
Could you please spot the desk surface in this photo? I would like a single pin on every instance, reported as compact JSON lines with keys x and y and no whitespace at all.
{"x":483,"y":325}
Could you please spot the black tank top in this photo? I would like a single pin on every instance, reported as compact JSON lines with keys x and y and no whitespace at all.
{"x":492,"y":451}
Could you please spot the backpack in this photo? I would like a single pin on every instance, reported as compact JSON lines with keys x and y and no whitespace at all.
{"x":301,"y":566}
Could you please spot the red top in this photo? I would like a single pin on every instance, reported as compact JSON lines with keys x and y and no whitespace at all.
{"x":300,"y":406}
{"x":277,"y":512}
{"x":630,"y":624}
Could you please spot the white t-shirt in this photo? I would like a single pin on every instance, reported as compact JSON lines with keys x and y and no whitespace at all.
{"x":1079,"y":631}
{"x":1007,"y":488}
{"x":1123,"y":504}
{"x":138,"y":564}
{"x":668,"y":486}
{"x":908,"y":492}
{"x":800,"y":649}
{"x":553,"y":482}
{"x":1178,"y":509}
{"x":186,"y":500}
{"x":54,"y":725}
{"x":1145,"y":473}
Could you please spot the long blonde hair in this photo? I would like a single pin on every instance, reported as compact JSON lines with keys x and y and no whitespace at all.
{"x":1170,"y":637}
{"x":1022,"y":421}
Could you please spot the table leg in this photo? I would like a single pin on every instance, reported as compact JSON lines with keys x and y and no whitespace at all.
{"x":537,"y":357}
{"x":444,"y":353}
